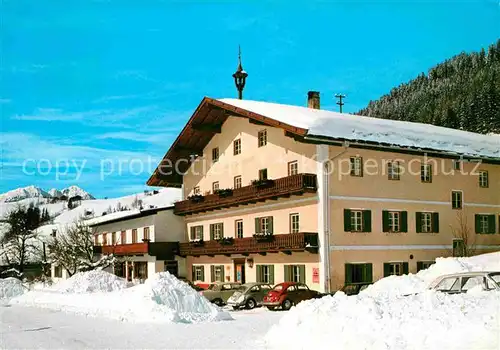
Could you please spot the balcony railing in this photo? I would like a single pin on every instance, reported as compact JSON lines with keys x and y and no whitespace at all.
{"x":162,"y":250}
{"x":287,"y":243}
{"x":268,"y":189}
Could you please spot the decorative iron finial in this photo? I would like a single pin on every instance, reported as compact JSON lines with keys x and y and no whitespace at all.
{"x":240,"y":76}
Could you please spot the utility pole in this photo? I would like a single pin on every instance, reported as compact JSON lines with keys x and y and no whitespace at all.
{"x":339,"y":102}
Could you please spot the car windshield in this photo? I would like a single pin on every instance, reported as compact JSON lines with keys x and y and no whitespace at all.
{"x":242,"y":288}
{"x":496,"y":278}
{"x":278,"y":288}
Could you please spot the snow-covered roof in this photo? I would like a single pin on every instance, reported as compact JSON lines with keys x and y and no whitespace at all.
{"x":124,"y":215}
{"x":342,"y":126}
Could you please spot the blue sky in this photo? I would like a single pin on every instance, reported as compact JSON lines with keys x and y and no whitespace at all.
{"x":113,"y":82}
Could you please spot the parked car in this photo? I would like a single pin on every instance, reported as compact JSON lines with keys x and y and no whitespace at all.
{"x":462,"y":282}
{"x":219,"y":292}
{"x":287,"y":294}
{"x":351,"y":288}
{"x":249,"y":295}
{"x":191,"y":284}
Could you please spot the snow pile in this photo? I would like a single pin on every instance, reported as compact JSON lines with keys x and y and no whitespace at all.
{"x":414,"y":283}
{"x":90,"y":282}
{"x":398,"y":312}
{"x":162,"y":298}
{"x":10,"y":287}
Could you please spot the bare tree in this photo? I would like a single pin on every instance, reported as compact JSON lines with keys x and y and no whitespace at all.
{"x":464,"y":240}
{"x":20,"y":244}
{"x":73,"y":250}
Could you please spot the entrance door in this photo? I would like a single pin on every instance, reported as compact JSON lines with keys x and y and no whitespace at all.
{"x":239,"y":271}
{"x":130,"y":270}
{"x":171,"y":266}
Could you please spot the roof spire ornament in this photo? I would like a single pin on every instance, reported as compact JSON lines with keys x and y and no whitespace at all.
{"x":240,"y":76}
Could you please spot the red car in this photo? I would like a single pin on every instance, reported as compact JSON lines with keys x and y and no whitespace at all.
{"x":287,"y":294}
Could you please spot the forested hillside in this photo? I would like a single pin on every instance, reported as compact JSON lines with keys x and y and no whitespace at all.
{"x":462,"y":92}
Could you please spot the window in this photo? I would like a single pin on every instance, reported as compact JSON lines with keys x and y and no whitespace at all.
{"x":422,"y":265}
{"x":472,"y":282}
{"x":356,"y":166}
{"x":485,"y":223}
{"x":449,"y":284}
{"x":134,"y":235}
{"x":395,"y":268}
{"x":358,"y":273}
{"x":238,"y":229}
{"x":141,"y":270}
{"x":104,"y":239}
{"x":196,"y":190}
{"x":123,"y":237}
{"x":357,"y":220}
{"x":294,"y":223}
{"x":215,"y":154}
{"x":217,"y":231}
{"x":264,"y":225}
{"x":196,"y":232}
{"x":483,"y":179}
{"x":146,"y":233}
{"x":457,"y":164}
{"x":262,"y":137}
{"x":217,"y":273}
{"x":96,"y":240}
{"x":295,"y":273}
{"x":393,"y":171}
{"x":293,"y":168}
{"x":263,"y":174}
{"x":172,"y":266}
{"x":236,"y":147}
{"x":237,"y":181}
{"x":394,"y":221}
{"x":198,"y":273}
{"x":456,"y":199}
{"x":426,"y":173}
{"x":458,"y":247}
{"x":215,"y":186}
{"x":427,"y":222}
{"x":57,"y":271}
{"x":113,"y":238}
{"x":265,"y":274}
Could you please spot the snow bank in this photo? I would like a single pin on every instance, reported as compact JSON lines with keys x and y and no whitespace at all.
{"x":9,"y":288}
{"x":90,"y":282}
{"x":382,"y":317}
{"x":162,"y":298}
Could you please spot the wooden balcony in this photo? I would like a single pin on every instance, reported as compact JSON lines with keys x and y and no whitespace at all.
{"x":285,"y":243}
{"x":271,"y":189}
{"x":162,"y":250}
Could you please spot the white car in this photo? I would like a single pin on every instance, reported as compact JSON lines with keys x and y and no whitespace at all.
{"x":462,"y":282}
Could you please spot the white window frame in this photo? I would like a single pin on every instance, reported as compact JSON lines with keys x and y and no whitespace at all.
{"x":295,"y":273}
{"x":483,"y":179}
{"x":198,"y":272}
{"x":218,"y":270}
{"x":356,"y":166}
{"x":356,"y":220}
{"x":236,"y":228}
{"x":215,"y":154}
{"x":426,"y":223}
{"x":395,"y":268}
{"x":264,"y":224}
{"x":237,"y":181}
{"x":266,"y":273}
{"x":198,"y":232}
{"x":215,"y":186}
{"x":393,"y":172}
{"x":484,"y":226}
{"x":218,"y":231}
{"x":293,"y":168}
{"x":236,"y":147}
{"x":294,"y":223}
{"x":262,"y":138}
{"x":453,"y":200}
{"x":395,"y":221}
{"x":196,"y":190}
{"x":426,"y":173}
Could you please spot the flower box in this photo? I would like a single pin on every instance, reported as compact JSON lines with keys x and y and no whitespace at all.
{"x":226,"y":241}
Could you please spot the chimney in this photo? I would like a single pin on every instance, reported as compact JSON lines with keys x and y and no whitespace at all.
{"x":313,"y":99}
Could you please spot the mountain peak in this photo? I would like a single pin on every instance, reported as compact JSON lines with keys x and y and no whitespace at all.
{"x":36,"y":192}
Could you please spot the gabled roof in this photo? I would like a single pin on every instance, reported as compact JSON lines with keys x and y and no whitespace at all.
{"x":319,"y":126}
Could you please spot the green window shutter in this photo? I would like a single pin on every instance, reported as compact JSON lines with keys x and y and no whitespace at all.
{"x":193,"y":273}
{"x":477,"y":221}
{"x":368,"y":273}
{"x":211,"y":231}
{"x":420,"y":266}
{"x":361,"y":166}
{"x":222,"y":272}
{"x":270,"y":224}
{"x":404,"y":221}
{"x":348,"y":273}
{"x":287,"y":273}
{"x":202,"y":233}
{"x":212,"y":273}
{"x":222,"y":229}
{"x":203,"y":273}
{"x":492,"y":224}
{"x":418,"y":222}
{"x":302,"y":273}
{"x":387,"y":269}
{"x":347,"y":220}
{"x":191,"y":236}
{"x":259,"y":273}
{"x":406,"y":268}
{"x":271,"y":275}
{"x":435,"y":222}
{"x":257,"y":225}
{"x":367,"y":221}
{"x":385,"y":221}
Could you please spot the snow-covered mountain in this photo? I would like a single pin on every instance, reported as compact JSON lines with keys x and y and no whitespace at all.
{"x":76,"y":191}
{"x":23,"y":193}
